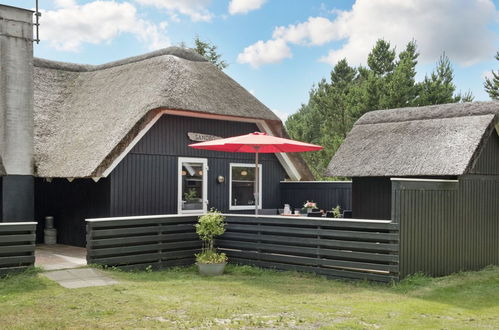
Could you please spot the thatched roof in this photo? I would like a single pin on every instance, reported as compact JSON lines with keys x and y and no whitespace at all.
{"x":440,"y":140}
{"x":86,"y":115}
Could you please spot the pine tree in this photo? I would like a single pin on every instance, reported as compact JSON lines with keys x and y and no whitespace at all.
{"x":381,"y":58}
{"x":401,"y":88}
{"x":333,"y":107}
{"x":208,"y":50}
{"x":492,"y":85}
{"x":439,"y":87}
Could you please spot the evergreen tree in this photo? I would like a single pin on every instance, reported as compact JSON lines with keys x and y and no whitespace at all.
{"x":492,"y":85}
{"x":401,"y":88}
{"x":208,"y":50}
{"x":439,"y":87}
{"x":333,"y":107}
{"x":381,"y":59}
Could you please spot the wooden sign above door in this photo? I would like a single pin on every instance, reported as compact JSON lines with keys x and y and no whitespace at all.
{"x":200,"y":137}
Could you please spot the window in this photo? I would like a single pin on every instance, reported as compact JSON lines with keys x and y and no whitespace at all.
{"x":192,"y":185}
{"x":242,"y":186}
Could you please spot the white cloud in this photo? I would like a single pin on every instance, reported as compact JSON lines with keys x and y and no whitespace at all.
{"x":65,"y":3}
{"x":244,"y":6}
{"x":458,"y":27}
{"x":315,"y":32}
{"x":260,"y":53}
{"x":195,"y":9}
{"x":97,"y":22}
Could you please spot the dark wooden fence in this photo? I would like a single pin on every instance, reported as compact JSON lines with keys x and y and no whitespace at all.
{"x":359,"y":249}
{"x":138,"y":242}
{"x":447,"y":226}
{"x":17,"y":246}
{"x":327,"y":194}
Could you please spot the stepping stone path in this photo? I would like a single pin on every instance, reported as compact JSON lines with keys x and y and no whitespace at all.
{"x":79,"y":278}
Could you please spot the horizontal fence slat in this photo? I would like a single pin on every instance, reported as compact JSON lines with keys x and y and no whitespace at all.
{"x":8,"y":228}
{"x":123,"y":241}
{"x":128,"y":259}
{"x":141,"y":222}
{"x":321,"y":271}
{"x":118,"y":232}
{"x":18,"y":238}
{"x":284,"y":239}
{"x":293,"y":221}
{"x":324,"y":233}
{"x":350,"y":245}
{"x":181,"y":245}
{"x":179,"y":254}
{"x":17,"y":260}
{"x":307,"y":261}
{"x":123,"y":250}
{"x":17,"y":249}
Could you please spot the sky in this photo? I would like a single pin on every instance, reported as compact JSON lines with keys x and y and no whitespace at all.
{"x":277,"y":49}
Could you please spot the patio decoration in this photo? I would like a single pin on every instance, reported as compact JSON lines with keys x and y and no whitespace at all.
{"x":336,"y":211}
{"x":256,"y":143}
{"x":309,"y":206}
{"x":209,"y":261}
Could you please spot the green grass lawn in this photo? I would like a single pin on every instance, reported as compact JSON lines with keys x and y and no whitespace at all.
{"x":252,"y":298}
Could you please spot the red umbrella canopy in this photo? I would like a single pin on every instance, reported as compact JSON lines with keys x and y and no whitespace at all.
{"x":256,"y":142}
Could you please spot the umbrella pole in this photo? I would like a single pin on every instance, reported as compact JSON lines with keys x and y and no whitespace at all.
{"x":257,"y":191}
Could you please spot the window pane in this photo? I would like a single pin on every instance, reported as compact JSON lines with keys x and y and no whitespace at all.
{"x":192,"y":186}
{"x":243,"y":186}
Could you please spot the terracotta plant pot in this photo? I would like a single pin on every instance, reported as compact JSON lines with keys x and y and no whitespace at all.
{"x":211,"y":269}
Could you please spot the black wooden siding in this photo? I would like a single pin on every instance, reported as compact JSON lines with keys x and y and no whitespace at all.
{"x":371,"y":198}
{"x":145,"y":182}
{"x":326,"y":194}
{"x":488,"y":160}
{"x":447,"y":227}
{"x":70,"y":203}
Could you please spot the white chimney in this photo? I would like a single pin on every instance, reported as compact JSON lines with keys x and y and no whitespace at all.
{"x":16,"y":90}
{"x":16,"y":114}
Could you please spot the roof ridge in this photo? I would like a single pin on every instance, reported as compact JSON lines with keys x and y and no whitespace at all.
{"x":179,"y":52}
{"x":440,"y":111}
{"x":426,"y":118}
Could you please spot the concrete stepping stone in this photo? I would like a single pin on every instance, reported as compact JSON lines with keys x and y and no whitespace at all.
{"x":80,"y":278}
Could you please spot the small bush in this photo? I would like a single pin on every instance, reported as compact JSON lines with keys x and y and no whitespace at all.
{"x":209,"y":226}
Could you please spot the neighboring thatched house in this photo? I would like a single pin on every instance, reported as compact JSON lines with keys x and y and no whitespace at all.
{"x":435,"y":171}
{"x":443,"y":142}
{"x":111,"y":140}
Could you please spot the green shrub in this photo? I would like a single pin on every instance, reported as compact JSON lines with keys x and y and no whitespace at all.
{"x":211,"y":257}
{"x":209,"y":226}
{"x":337,"y":212}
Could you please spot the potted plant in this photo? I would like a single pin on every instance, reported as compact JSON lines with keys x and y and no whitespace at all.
{"x":309,"y":206}
{"x":336,"y":212}
{"x":209,"y":226}
{"x":191,"y":200}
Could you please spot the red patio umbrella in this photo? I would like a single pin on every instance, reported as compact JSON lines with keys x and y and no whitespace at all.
{"x":256,"y":143}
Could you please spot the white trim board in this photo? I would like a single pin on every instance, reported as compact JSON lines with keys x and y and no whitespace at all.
{"x":284,"y":159}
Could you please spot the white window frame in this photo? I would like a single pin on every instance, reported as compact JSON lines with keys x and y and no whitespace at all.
{"x":245,"y":207}
{"x":204,"y":161}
